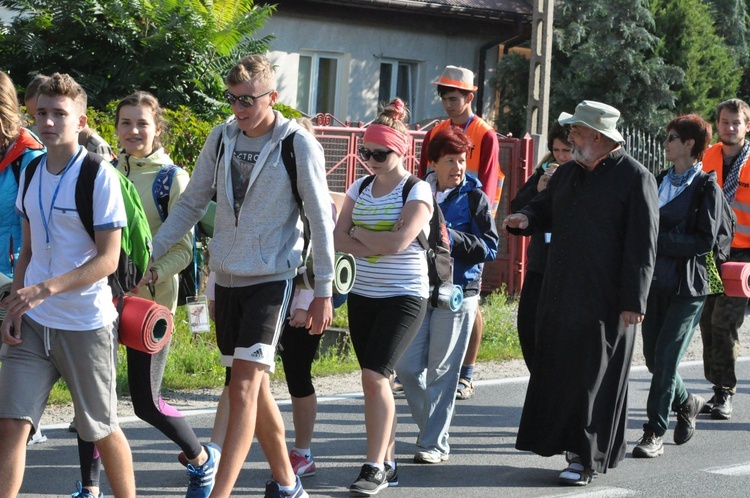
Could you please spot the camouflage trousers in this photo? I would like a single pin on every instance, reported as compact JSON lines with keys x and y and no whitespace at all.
{"x":720,"y":323}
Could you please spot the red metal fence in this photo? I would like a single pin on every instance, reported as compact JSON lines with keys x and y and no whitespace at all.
{"x":343,"y":167}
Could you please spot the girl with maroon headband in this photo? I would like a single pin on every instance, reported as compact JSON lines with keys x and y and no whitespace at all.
{"x":388,"y":301}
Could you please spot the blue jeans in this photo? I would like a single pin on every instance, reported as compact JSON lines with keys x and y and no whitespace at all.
{"x":668,"y":328}
{"x":429,"y":371}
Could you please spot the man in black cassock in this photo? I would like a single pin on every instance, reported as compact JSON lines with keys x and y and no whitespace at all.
{"x":602,"y":210}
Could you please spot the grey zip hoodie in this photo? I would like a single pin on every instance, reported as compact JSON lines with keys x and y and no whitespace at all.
{"x":264,"y":242}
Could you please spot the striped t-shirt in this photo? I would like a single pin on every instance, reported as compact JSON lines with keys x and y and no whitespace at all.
{"x":400,"y":274}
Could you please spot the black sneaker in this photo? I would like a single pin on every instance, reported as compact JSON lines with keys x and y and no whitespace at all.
{"x":686,"y":415}
{"x":391,"y":474}
{"x":709,"y":404}
{"x":722,"y":407}
{"x":370,"y":481}
{"x":650,"y":446}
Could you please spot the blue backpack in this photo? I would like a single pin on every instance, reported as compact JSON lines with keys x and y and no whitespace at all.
{"x":190,"y":278}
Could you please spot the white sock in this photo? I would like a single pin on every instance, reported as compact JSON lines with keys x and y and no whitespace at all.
{"x":303,"y":451}
{"x":288,"y":489}
{"x":392,"y":464}
{"x":378,"y":465}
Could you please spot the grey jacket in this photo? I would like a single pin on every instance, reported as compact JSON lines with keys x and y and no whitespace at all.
{"x":264,"y":242}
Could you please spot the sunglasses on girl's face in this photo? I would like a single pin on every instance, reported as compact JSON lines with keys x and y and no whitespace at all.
{"x":378,"y":155}
{"x":244,"y":100}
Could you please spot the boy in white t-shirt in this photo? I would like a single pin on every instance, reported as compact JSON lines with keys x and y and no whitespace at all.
{"x":60,"y":315}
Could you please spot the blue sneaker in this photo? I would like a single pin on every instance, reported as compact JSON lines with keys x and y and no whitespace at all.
{"x":273,"y":490}
{"x":84,"y":493}
{"x":391,"y":474}
{"x":202,"y":477}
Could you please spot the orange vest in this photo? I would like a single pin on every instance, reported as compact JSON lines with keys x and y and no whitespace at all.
{"x":713,"y":160}
{"x":476,"y":131}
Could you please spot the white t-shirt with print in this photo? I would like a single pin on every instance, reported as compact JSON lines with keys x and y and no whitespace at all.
{"x":400,"y":274}
{"x":70,"y":246}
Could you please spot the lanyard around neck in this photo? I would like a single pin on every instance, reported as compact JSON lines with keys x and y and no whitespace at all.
{"x":468,"y":122}
{"x":46,"y":220}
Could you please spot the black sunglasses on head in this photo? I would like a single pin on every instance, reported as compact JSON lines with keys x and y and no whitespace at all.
{"x":378,"y":155}
{"x":244,"y":100}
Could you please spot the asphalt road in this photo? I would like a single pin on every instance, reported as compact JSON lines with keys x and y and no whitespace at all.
{"x":483,"y":459}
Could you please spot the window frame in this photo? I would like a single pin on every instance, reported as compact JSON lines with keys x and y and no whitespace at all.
{"x":312,"y":86}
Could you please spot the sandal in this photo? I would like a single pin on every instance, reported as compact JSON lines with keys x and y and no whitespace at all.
{"x":576,"y":475}
{"x":465,"y":389}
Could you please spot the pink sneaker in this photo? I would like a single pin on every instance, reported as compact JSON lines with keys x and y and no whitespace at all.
{"x":302,"y":465}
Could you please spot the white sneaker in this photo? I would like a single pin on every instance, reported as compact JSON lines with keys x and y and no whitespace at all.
{"x":37,"y":438}
{"x":430,"y":456}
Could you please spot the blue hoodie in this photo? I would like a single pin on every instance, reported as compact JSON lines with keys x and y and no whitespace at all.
{"x":10,"y":223}
{"x":472,"y":231}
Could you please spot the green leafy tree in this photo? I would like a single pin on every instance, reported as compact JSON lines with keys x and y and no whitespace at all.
{"x":512,"y":85}
{"x":731,"y":23}
{"x":690,"y":41}
{"x":605,"y":50}
{"x":176,"y":49}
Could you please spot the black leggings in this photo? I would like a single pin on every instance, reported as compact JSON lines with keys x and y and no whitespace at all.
{"x":145,"y":374}
{"x":382,"y":328}
{"x":297,"y":351}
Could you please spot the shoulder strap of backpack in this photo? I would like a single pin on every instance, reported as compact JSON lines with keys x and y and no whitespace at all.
{"x":368,"y":180}
{"x":84,"y":194}
{"x":161,"y":187}
{"x":15,"y":166}
{"x":28,"y":175}
{"x":410,"y":182}
{"x":700,"y":188}
{"x":290,"y":163}
{"x":289,"y":158}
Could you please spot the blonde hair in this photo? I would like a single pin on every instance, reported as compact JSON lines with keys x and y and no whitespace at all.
{"x":252,"y":67}
{"x":63,"y":85}
{"x":306,"y":123}
{"x":393,"y":115}
{"x":10,"y":112}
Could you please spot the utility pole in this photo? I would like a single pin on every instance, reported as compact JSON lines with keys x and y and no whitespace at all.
{"x":537,"y":114}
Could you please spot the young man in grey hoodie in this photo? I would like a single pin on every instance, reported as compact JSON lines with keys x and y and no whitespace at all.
{"x":255,"y":252}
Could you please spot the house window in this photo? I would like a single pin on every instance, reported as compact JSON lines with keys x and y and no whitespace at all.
{"x":397,"y":79}
{"x":318,"y":83}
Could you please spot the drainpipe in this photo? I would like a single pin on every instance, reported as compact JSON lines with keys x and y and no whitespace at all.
{"x":513,"y":37}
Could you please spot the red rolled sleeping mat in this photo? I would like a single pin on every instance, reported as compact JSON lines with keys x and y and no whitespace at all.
{"x":144,"y":325}
{"x":736,"y":276}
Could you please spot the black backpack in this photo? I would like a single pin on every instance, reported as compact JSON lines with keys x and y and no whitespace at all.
{"x":727,"y":220}
{"x":727,"y":224}
{"x":437,"y":246}
{"x":290,"y":164}
{"x":135,"y":248}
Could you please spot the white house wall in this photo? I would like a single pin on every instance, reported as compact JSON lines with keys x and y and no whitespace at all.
{"x":362,"y":48}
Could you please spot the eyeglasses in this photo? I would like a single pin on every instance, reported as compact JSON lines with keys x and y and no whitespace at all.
{"x":244,"y":100}
{"x":672,"y":136}
{"x":378,"y":155}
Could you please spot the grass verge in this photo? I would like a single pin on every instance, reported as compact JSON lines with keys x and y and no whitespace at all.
{"x":194,"y":361}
